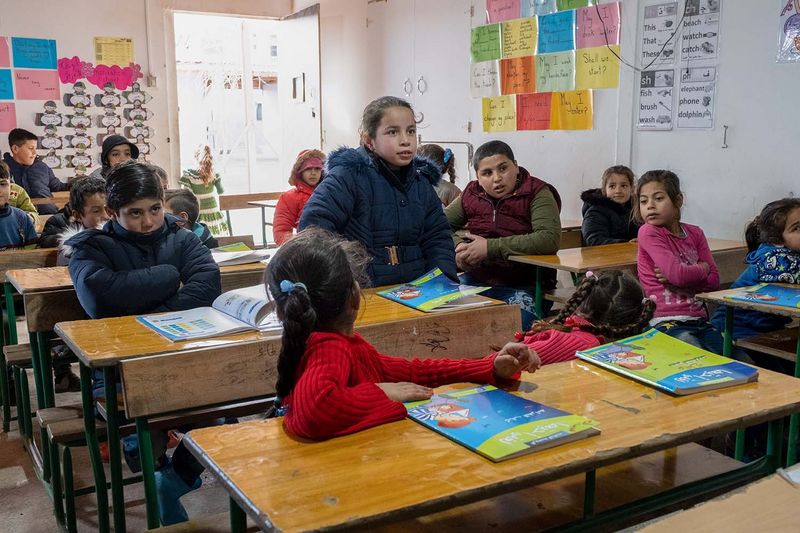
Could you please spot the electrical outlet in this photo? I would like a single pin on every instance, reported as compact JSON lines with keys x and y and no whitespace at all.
{"x":152,"y":81}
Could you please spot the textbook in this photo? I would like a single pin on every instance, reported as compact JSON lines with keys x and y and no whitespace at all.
{"x":238,"y":254}
{"x":663,"y":362}
{"x":497,"y":424}
{"x":435,"y":292}
{"x":770,"y":294}
{"x":234,"y":311}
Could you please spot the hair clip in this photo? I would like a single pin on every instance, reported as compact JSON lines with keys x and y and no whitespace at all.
{"x":448,"y":153}
{"x":590,"y":274}
{"x":648,"y":299}
{"x":289,"y":286}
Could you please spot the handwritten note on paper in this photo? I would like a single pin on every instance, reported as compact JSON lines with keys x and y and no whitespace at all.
{"x":529,"y":8}
{"x":597,"y":68}
{"x":571,"y":111}
{"x":555,"y":72}
{"x":499,"y":113}
{"x":500,"y":10}
{"x":557,"y":32}
{"x":485,"y":43}
{"x":6,"y":87}
{"x":36,"y":84}
{"x":591,"y":30}
{"x":517,"y":75}
{"x":485,"y":79}
{"x":519,"y":37}
{"x":563,"y":5}
{"x":533,"y":111}
{"x":5,"y":58}
{"x":34,"y":53}
{"x":8,"y":116}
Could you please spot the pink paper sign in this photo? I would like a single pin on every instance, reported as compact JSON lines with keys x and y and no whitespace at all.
{"x":8,"y":116}
{"x":32,"y":84}
{"x":500,"y":10}
{"x":5,"y":60}
{"x":591,"y":31}
{"x":533,"y":111}
{"x":72,"y":69}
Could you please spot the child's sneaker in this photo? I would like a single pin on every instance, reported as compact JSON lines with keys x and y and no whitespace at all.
{"x":130,"y":451}
{"x":170,"y":487}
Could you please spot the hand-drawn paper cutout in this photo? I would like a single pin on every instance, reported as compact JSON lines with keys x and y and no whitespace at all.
{"x":52,"y":159}
{"x":591,"y":30}
{"x":519,"y":37}
{"x":555,"y":72}
{"x":135,"y":94}
{"x":557,"y":32}
{"x":571,"y":111}
{"x":110,"y":97}
{"x":34,"y":53}
{"x":597,"y":68}
{"x":533,"y":111}
{"x":484,"y":79}
{"x":499,"y":114}
{"x":563,"y":5}
{"x":485,"y":43}
{"x":530,"y":8}
{"x":36,"y":84}
{"x":72,"y":69}
{"x":500,"y":10}
{"x":50,"y":117}
{"x":5,"y":56}
{"x":78,"y":98}
{"x":8,"y":116}
{"x":6,"y":87}
{"x":51,"y":140}
{"x":517,"y":75}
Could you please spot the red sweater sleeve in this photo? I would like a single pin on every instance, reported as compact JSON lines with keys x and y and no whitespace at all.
{"x":284,"y":220}
{"x":436,"y":372}
{"x":555,"y":346}
{"x":657,"y":246}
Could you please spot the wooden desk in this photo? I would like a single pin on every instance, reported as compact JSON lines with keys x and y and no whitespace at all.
{"x":767,"y":505}
{"x":59,"y":199}
{"x":401,"y":469}
{"x":571,"y":234}
{"x":391,"y":327}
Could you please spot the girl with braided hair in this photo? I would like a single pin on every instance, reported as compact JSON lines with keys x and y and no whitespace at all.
{"x":605,"y":307}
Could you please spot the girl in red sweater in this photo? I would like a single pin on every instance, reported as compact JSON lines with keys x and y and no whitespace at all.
{"x":307,"y":172}
{"x":331,"y":381}
{"x":605,"y":307}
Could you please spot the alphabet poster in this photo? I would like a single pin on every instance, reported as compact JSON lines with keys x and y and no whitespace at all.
{"x":697,"y":97}
{"x":656,"y":99}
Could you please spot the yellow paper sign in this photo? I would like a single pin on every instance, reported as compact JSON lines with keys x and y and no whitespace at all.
{"x":519,"y":37}
{"x":500,"y":113}
{"x":571,"y":110}
{"x":113,"y":51}
{"x":597,"y":68}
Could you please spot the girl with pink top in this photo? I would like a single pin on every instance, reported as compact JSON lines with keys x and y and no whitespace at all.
{"x":674,"y":262}
{"x":605,"y":307}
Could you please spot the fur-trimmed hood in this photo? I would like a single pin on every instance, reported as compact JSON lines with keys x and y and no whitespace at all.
{"x":595,"y":197}
{"x":304,"y":156}
{"x":358,"y":160}
{"x":71,"y":231}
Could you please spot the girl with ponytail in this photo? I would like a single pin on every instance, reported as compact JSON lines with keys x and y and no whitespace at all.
{"x":331,"y":381}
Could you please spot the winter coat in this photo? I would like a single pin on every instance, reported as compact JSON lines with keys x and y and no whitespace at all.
{"x":205,"y":236}
{"x":55,"y":226}
{"x":288,"y":211}
{"x":20,"y":199}
{"x":605,"y":221}
{"x":109,"y":143}
{"x":117,"y":272}
{"x":401,"y":224}
{"x":38,"y":180}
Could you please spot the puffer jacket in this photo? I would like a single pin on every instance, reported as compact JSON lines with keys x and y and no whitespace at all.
{"x":605,"y":221}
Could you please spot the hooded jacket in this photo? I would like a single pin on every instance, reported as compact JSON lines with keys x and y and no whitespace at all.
{"x":109,"y":143}
{"x":117,"y":272}
{"x":291,"y":203}
{"x":605,"y":221}
{"x":38,"y":180}
{"x":767,"y":264}
{"x":401,"y":224}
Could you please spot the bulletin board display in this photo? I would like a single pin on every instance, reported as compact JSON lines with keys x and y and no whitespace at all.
{"x":535,"y":63}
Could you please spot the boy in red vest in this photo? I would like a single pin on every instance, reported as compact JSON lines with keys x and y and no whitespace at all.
{"x":505,"y":212}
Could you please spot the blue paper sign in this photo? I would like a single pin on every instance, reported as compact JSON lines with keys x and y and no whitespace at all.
{"x":6,"y":86}
{"x":34,"y":53}
{"x":531,"y":8}
{"x":557,"y":32}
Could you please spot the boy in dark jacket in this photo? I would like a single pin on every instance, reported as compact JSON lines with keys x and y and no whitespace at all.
{"x":184,"y":204}
{"x":607,"y":210}
{"x":31,"y":172}
{"x":86,"y":210}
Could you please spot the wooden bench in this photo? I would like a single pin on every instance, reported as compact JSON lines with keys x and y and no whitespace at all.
{"x":13,"y":355}
{"x":59,"y":198}
{"x":233,"y":202}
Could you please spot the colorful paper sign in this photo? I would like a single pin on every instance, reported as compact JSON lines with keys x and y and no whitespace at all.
{"x":499,"y":114}
{"x":555,"y":72}
{"x":696,"y":97}
{"x":563,"y":5}
{"x":700,"y":36}
{"x":789,"y":32}
{"x":592,"y":30}
{"x":485,"y":79}
{"x":557,"y":32}
{"x":73,"y":69}
{"x":8,"y":116}
{"x":597,"y":68}
{"x":519,"y":37}
{"x":6,"y":86}
{"x":36,"y":84}
{"x":5,"y":57}
{"x":656,"y":99}
{"x":485,"y":43}
{"x":113,"y":51}
{"x":571,"y":111}
{"x":34,"y":53}
{"x":657,"y":30}
{"x":500,"y":10}
{"x":533,"y":111}
{"x":517,"y":75}
{"x":530,"y":8}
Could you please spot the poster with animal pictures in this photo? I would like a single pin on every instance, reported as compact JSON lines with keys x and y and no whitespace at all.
{"x":700,"y":35}
{"x":656,"y":99}
{"x":658,"y":28}
{"x":696,"y":98}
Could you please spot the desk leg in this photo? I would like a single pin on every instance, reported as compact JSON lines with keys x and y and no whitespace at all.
{"x":5,"y":390}
{"x":94,"y":449}
{"x":46,"y":365}
{"x":794,"y":420}
{"x":264,"y":225}
{"x":114,"y":451}
{"x":539,"y":296}
{"x":238,"y":518}
{"x":148,"y":472}
{"x":588,"y":494}
{"x":12,"y":315}
{"x":228,"y":220}
{"x":727,"y":348}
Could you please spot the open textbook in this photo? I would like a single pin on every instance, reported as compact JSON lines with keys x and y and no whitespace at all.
{"x":238,"y":254}
{"x":434,"y":291}
{"x":232,"y":312}
{"x":770,"y":294}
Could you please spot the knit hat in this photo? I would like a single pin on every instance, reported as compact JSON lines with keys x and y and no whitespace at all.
{"x":305,"y":160}
{"x":113,"y":141}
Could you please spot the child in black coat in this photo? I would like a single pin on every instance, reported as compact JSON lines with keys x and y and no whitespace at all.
{"x":607,"y":211}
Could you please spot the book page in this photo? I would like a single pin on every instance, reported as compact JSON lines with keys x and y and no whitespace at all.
{"x":248,"y":304}
{"x":192,"y":324}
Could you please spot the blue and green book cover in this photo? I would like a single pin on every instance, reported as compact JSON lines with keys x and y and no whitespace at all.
{"x":433,"y":291}
{"x":770,"y":294}
{"x":498,"y":424}
{"x":661,"y":361}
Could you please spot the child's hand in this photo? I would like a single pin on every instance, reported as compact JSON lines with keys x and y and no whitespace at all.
{"x":660,"y":277}
{"x":472,"y":251}
{"x":705,"y":267}
{"x":405,"y":391}
{"x":514,"y":357}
